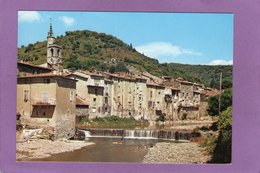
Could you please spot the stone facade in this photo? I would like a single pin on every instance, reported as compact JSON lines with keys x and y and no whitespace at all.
{"x":47,"y":101}
{"x":128,"y":95}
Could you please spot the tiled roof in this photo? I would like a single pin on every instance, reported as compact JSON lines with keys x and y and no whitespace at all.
{"x":81,"y":102}
{"x":73,"y":74}
{"x":91,"y":73}
{"x":154,"y":84}
{"x":34,"y":66}
{"x":181,"y":80}
{"x":45,"y":75}
{"x":213,"y":92}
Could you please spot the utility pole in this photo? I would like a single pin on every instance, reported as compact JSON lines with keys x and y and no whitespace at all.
{"x":219,"y":98}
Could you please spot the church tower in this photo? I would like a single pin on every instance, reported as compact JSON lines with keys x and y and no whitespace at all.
{"x":54,"y":58}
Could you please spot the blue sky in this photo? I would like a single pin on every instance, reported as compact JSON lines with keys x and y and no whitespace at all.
{"x":189,"y":38}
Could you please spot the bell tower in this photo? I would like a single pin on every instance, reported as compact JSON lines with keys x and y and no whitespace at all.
{"x":54,"y":58}
{"x":50,"y":37}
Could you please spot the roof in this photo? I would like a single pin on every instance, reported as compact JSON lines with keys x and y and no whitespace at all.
{"x":181,"y":80}
{"x":34,"y":66}
{"x":81,"y":102}
{"x":42,"y":75}
{"x":173,"y":88}
{"x":126,"y":76}
{"x":199,"y":85}
{"x":154,"y":84}
{"x":213,"y":92}
{"x":91,"y":73}
{"x":54,"y":45}
{"x":73,"y":74}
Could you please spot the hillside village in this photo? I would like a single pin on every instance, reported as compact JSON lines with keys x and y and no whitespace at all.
{"x":54,"y":98}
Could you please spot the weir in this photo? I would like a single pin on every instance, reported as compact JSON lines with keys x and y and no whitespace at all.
{"x":139,"y":134}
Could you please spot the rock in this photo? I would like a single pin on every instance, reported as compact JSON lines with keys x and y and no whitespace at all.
{"x":40,"y":148}
{"x":180,"y":153}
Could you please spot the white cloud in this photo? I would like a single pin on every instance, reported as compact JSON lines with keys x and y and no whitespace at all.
{"x":68,"y":21}
{"x":29,"y":16}
{"x":221,"y":62}
{"x":165,"y":50}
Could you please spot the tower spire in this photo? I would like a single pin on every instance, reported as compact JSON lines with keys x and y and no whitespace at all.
{"x":50,"y":33}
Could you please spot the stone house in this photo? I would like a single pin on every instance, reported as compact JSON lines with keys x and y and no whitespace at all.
{"x":90,"y":86}
{"x":155,"y":100}
{"x":189,"y":100}
{"x":128,"y":98}
{"x":47,"y":101}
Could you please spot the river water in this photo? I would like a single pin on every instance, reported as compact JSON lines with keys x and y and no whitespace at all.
{"x":107,"y":150}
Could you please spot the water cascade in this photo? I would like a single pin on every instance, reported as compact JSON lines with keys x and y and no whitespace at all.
{"x":139,"y":134}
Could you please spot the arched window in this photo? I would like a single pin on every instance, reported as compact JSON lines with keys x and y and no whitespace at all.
{"x":51,"y":51}
{"x":58,"y":52}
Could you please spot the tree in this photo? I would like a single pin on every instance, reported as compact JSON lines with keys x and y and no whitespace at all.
{"x":74,"y":63}
{"x":225,"y":102}
{"x":222,"y":151}
{"x":213,"y":105}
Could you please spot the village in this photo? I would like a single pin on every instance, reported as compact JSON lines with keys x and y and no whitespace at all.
{"x":55,"y":106}
{"x":55,"y":99}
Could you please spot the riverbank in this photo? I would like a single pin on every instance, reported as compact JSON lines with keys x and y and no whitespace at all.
{"x":176,"y":153}
{"x":41,"y":148}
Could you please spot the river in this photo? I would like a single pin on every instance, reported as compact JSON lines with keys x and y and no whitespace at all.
{"x":107,"y":150}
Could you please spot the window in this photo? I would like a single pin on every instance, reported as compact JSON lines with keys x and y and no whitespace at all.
{"x":51,"y":52}
{"x":96,"y":91}
{"x":151,"y":94}
{"x":72,"y":95}
{"x":47,"y":80}
{"x":26,"y":95}
{"x":106,"y":100}
{"x":159,"y":92}
{"x":58,"y":52}
{"x":94,"y":99}
{"x":140,"y":98}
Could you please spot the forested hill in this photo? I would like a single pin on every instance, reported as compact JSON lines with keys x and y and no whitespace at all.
{"x":98,"y":51}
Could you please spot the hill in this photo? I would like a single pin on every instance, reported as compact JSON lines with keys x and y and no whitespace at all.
{"x":98,"y":51}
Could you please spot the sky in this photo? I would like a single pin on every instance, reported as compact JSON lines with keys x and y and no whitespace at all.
{"x":187,"y":38}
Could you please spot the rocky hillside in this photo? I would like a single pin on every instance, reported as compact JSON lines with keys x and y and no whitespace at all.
{"x":98,"y":51}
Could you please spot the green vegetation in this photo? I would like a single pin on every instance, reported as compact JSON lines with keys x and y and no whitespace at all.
{"x":98,"y":51}
{"x":209,"y":144}
{"x":222,"y":150}
{"x":220,"y":147}
{"x":208,"y":75}
{"x":113,"y":122}
{"x":225,"y":102}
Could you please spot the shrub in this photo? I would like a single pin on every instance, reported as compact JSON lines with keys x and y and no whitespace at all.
{"x":222,"y":151}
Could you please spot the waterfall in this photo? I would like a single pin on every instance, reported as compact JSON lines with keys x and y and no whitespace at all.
{"x":82,"y":134}
{"x":139,"y":134}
